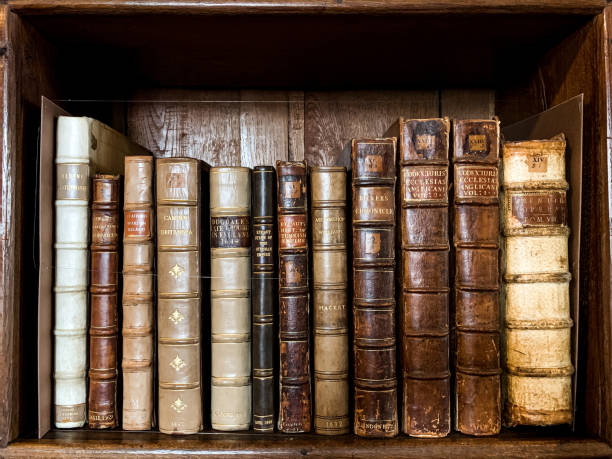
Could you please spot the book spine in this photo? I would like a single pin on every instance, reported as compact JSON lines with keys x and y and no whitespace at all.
{"x":264,"y":300}
{"x":331,"y":351}
{"x":230,"y":243}
{"x":179,"y":295}
{"x":138,"y":293}
{"x":423,"y":152}
{"x":476,"y":240}
{"x":295,"y":399}
{"x":103,"y":329}
{"x":373,"y":163}
{"x":537,"y":313}
{"x":71,"y":271}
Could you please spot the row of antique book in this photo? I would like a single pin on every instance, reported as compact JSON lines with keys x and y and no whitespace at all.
{"x":253,"y":247}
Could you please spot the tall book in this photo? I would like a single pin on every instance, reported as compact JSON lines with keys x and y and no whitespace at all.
{"x":102,"y":413}
{"x":424,"y":278}
{"x":264,"y":296}
{"x":476,"y":240}
{"x":329,"y":265}
{"x":138,"y":293}
{"x":373,"y":163}
{"x":179,"y":294}
{"x":295,"y":399}
{"x":84,"y":147}
{"x":537,"y":307}
{"x":230,"y":245}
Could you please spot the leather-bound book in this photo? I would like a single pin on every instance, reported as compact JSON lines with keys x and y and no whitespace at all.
{"x":295,"y":399}
{"x":537,"y":314}
{"x":329,"y":266}
{"x":264,"y":296}
{"x":138,"y":293}
{"x":424,"y":279}
{"x":477,"y":280}
{"x":230,"y":246}
{"x":373,"y":163}
{"x":102,"y":412}
{"x":179,"y":293}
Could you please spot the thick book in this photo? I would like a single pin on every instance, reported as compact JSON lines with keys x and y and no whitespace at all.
{"x":179,"y":294}
{"x":294,"y":320}
{"x":330,"y":279}
{"x":537,"y":295}
{"x":138,"y":293}
{"x":230,"y":251}
{"x":84,"y":147}
{"x":477,"y":280}
{"x":424,"y":275}
{"x":103,"y":330}
{"x":373,"y":216}
{"x":264,"y":296}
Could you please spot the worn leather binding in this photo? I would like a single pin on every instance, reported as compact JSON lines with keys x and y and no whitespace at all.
{"x":295,"y":399}
{"x":476,"y":240}
{"x":102,"y":412}
{"x":230,"y":243}
{"x":373,"y":163}
{"x":138,"y":293}
{"x":424,"y":279}
{"x":329,"y":263}
{"x":537,"y":314}
{"x":179,"y":294}
{"x":264,"y":296}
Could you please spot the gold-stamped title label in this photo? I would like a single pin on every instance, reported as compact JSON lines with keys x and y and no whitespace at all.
{"x":72,"y":181}
{"x":137,"y":223}
{"x":477,"y":142}
{"x":540,"y":209}
{"x":329,"y":226}
{"x":374,"y":203}
{"x":425,"y":183}
{"x":263,"y":239}
{"x":230,"y":232}
{"x":292,"y":231}
{"x":476,"y":181}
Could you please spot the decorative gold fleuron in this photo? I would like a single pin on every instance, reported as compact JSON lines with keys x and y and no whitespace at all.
{"x":176,"y":271}
{"x":177,"y":363}
{"x":178,"y":405}
{"x":176,"y":316}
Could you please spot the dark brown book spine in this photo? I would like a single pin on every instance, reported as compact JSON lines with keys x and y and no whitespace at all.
{"x":264,"y":296}
{"x":477,"y":282}
{"x":103,"y":296}
{"x":295,"y":399}
{"x":424,"y":318}
{"x":373,"y":162}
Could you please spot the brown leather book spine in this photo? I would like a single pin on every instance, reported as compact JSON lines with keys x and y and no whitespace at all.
{"x":138,"y":293}
{"x":295,"y":400}
{"x":264,"y":296}
{"x":103,"y":297}
{"x":477,"y":280}
{"x":179,"y":293}
{"x":424,"y":279}
{"x":373,"y":163}
{"x":331,"y":351}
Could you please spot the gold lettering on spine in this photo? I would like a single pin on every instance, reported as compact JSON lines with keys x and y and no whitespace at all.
{"x":476,"y":181}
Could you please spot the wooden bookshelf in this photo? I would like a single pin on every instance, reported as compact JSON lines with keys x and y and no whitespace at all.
{"x":245,"y":83}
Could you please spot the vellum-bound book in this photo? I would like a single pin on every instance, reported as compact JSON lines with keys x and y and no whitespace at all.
{"x":84,"y":147}
{"x":536,"y":279}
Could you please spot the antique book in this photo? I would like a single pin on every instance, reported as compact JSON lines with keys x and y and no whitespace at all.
{"x":536,"y":279}
{"x":424,"y":275}
{"x":179,"y":294}
{"x":138,"y":293}
{"x":295,"y":399}
{"x":230,"y":251}
{"x":476,"y":240}
{"x":103,"y":330}
{"x":329,"y":272}
{"x":84,"y":147}
{"x":373,"y":164}
{"x":264,"y":297}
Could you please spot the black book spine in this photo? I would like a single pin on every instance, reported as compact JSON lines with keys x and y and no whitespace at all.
{"x":264,"y":297}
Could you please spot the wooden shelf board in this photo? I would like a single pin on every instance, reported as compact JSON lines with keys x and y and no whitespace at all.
{"x":87,"y":443}
{"x":116,"y":7}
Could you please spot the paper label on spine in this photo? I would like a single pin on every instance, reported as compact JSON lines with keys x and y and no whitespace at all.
{"x":537,"y":163}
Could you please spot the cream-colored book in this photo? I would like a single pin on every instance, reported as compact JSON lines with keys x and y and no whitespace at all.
{"x":536,"y":284}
